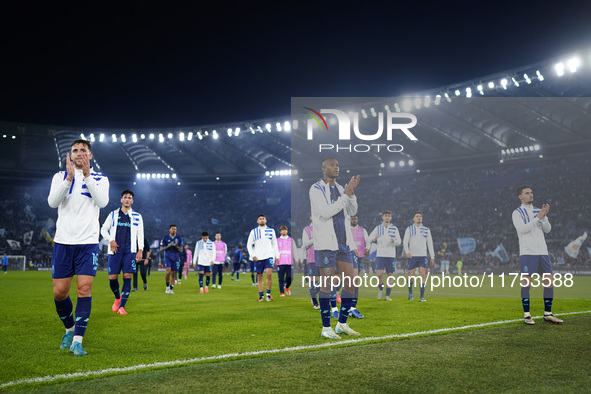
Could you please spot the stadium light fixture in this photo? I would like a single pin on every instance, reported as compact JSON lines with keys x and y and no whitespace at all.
{"x":373,"y":112}
{"x":382,"y":165}
{"x":278,"y":126}
{"x":427,"y":101}
{"x":397,"y":107}
{"x":169,"y":136}
{"x":173,"y":176}
{"x":411,"y":162}
{"x":468,"y":92}
{"x":437,"y":99}
{"x":387,"y":107}
{"x":401,"y":163}
{"x":114,"y":137}
{"x":527,"y":79}
{"x":406,"y":105}
{"x":559,"y":67}
{"x":392,"y":164}
{"x":92,"y":137}
{"x":457,"y":92}
{"x":295,"y":125}
{"x":237,"y":131}
{"x":101,"y":137}
{"x":491,"y":85}
{"x":480,"y":89}
{"x":229,"y":131}
{"x":123,"y":138}
{"x":215,"y":134}
{"x":536,"y":147}
{"x":573,"y":64}
{"x":418,"y":103}
{"x":143,"y":136}
{"x":160,"y":138}
{"x":268,"y":127}
{"x":504,"y":83}
{"x":190,"y":136}
{"x":151,"y":136}
{"x":515,"y":82}
{"x":540,"y":76}
{"x":363,"y":113}
{"x":181,"y":136}
{"x":134,"y":137}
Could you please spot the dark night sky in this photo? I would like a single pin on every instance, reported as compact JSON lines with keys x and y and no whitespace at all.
{"x":107,"y":65}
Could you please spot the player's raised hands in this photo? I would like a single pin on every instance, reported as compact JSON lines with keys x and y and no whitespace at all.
{"x":351,"y":185}
{"x":69,"y":168}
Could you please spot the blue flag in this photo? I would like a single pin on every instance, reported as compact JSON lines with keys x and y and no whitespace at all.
{"x":466,"y":245}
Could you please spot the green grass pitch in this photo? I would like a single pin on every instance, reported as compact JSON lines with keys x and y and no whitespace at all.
{"x":189,"y":326}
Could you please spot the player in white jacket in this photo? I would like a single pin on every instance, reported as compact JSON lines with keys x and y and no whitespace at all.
{"x":531,"y":224}
{"x":387,"y":237}
{"x":263,"y":251}
{"x":204,"y":257}
{"x":78,"y":193}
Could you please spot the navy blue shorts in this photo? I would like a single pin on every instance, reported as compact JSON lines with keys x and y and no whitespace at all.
{"x":386,"y":263}
{"x":122,"y":262}
{"x":173,"y":265}
{"x":419,"y":261}
{"x":262,"y":265}
{"x":70,"y":260}
{"x":529,"y":264}
{"x":328,"y":258}
{"x":203,"y":268}
{"x":251,"y":266}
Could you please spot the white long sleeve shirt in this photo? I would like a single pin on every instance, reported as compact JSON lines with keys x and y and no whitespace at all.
{"x":323,"y":210}
{"x":530,"y":230}
{"x":109,"y":230}
{"x":387,"y":241}
{"x":417,"y":241}
{"x":78,"y":203}
{"x":204,"y":253}
{"x":262,"y":243}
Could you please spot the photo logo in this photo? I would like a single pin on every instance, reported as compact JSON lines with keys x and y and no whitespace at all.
{"x":394,"y":123}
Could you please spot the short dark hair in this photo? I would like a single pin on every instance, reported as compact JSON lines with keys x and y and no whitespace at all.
{"x":520,"y":190}
{"x":413,"y":215}
{"x":172,"y":225}
{"x":82,"y":141}
{"x":218,"y":233}
{"x":260,"y":216}
{"x":127,"y":191}
{"x":282,"y":228}
{"x":386,"y":211}
{"x":205,"y":234}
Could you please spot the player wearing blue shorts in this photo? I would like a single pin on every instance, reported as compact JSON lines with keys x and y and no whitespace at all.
{"x":124,"y":231}
{"x":78,"y":193}
{"x":332,"y":207}
{"x":204,"y":258}
{"x":172,"y":246}
{"x":387,"y":237}
{"x":531,"y":223}
{"x":417,"y":241}
{"x":263,"y":251}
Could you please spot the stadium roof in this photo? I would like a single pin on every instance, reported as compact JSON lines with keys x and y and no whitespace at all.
{"x":520,"y":111}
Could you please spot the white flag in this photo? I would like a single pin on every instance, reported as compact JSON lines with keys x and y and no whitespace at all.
{"x":13,"y":244}
{"x":572,"y":249}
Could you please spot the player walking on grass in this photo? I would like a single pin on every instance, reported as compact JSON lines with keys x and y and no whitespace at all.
{"x":531,"y":223}
{"x":188,"y":260}
{"x":361,"y":244}
{"x":332,"y":206}
{"x":79,"y":193}
{"x":124,"y":230}
{"x":286,"y":246}
{"x":221,"y":250}
{"x":172,"y":245}
{"x":4,"y":263}
{"x":417,"y":241}
{"x":263,"y":251}
{"x":311,"y":269}
{"x":236,"y":261}
{"x":142,"y":265}
{"x":204,"y":258}
{"x":387,"y":237}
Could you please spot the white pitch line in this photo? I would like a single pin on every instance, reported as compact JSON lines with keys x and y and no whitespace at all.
{"x":133,"y":368}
